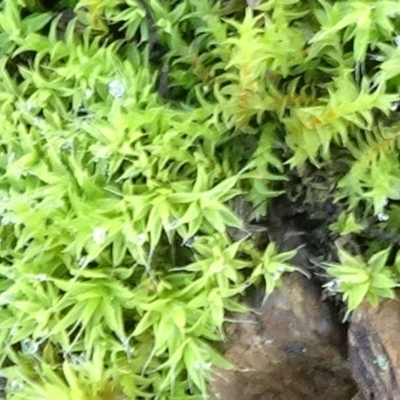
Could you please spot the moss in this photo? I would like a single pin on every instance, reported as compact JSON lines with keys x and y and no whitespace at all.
{"x":128,"y":129}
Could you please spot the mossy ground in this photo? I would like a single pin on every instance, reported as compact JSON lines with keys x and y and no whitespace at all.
{"x":129,"y":128}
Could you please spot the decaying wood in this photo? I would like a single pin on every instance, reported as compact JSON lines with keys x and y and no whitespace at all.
{"x":374,"y":347}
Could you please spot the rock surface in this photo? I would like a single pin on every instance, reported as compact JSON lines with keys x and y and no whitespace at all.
{"x":292,"y":347}
{"x":374,"y":347}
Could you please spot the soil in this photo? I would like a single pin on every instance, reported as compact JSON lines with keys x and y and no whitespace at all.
{"x":292,"y":347}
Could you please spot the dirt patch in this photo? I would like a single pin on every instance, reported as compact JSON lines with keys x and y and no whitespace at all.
{"x":291,"y":347}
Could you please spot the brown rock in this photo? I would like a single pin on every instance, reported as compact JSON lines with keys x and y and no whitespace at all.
{"x":290,"y":348}
{"x":374,"y":347}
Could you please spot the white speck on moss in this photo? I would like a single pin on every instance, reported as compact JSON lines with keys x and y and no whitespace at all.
{"x":29,"y":346}
{"x":126,"y":346}
{"x":83,"y":262}
{"x":172,"y":223}
{"x":78,"y":359}
{"x":7,"y":221}
{"x":16,"y":386}
{"x":99,"y":235}
{"x":382,"y":217}
{"x":88,"y":93}
{"x":189,"y":241}
{"x":395,"y":105}
{"x":116,"y":88}
{"x":140,"y":239}
{"x":42,"y":277}
{"x":68,"y":146}
{"x":25,"y":106}
{"x":11,"y":158}
{"x":332,"y":286}
{"x":253,"y":3}
{"x":201,"y":365}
